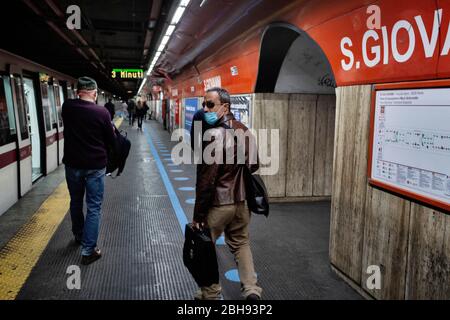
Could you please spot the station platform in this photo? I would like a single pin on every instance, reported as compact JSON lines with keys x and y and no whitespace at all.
{"x":141,"y":238}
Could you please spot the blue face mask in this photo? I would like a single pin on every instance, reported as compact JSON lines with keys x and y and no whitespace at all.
{"x":211,"y":118}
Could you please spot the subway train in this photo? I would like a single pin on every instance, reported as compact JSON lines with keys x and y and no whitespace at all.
{"x":31,"y":127}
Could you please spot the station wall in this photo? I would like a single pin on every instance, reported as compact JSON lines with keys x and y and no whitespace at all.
{"x":371,"y":227}
{"x":306,"y":131}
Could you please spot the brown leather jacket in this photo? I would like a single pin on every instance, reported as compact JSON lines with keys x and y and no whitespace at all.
{"x":222,"y":183}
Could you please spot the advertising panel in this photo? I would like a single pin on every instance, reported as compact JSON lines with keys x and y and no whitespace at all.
{"x":240,"y":107}
{"x":191,"y":106}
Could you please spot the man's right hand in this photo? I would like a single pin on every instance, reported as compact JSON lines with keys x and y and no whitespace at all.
{"x":198,"y":225}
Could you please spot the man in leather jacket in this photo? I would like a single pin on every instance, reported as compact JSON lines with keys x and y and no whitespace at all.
{"x":220,"y":193}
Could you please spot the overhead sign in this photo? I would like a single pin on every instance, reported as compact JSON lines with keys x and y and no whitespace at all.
{"x":127,"y":73}
{"x":410,"y":151}
{"x":212,"y":82}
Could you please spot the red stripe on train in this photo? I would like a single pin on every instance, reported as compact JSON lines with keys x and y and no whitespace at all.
{"x":51,"y":140}
{"x":10,"y":157}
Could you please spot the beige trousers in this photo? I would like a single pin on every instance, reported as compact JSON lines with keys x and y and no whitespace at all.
{"x":234,"y":221}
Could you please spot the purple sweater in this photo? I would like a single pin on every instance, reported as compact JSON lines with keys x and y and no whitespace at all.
{"x":88,"y":133}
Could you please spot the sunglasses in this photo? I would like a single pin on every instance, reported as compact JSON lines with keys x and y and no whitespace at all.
{"x":208,"y":104}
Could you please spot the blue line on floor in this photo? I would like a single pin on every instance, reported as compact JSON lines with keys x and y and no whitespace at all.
{"x":181,"y":216}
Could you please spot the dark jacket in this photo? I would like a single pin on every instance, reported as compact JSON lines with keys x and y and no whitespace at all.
{"x":223,"y":184}
{"x":111,"y":108}
{"x":88,"y":133}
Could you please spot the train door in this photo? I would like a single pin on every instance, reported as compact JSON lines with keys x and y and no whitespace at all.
{"x":50,"y":121}
{"x":25,"y":153}
{"x":59,"y":102}
{"x":9,"y":191}
{"x":56,"y":105}
{"x":37,"y":155}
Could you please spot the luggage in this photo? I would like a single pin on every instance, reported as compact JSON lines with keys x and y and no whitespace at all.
{"x":199,"y":256}
{"x":118,"y":154}
{"x":256,"y":193}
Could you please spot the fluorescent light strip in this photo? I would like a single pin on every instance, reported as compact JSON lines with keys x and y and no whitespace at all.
{"x":178,"y":14}
{"x":170,"y":29}
{"x":164,"y":41}
{"x":142,"y":85}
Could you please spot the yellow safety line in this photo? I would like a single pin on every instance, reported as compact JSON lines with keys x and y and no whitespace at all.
{"x":22,"y":252}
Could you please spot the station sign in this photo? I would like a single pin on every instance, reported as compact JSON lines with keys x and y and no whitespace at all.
{"x":127,"y":74}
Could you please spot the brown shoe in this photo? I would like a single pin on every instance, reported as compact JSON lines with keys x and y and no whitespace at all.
{"x":85,"y":260}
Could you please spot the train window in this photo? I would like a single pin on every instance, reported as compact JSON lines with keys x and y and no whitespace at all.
{"x":21,"y":108}
{"x":46,"y":106}
{"x":61,"y":98}
{"x":10,"y":104}
{"x":58,"y":104}
{"x":6,"y":117}
{"x":51,"y":98}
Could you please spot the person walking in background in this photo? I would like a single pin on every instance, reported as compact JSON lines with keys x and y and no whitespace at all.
{"x":140,"y":113}
{"x":111,"y":108}
{"x":88,"y":134}
{"x":131,"y":111}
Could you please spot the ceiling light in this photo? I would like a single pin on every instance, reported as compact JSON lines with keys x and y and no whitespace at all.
{"x":164,"y":41}
{"x":161,"y":47}
{"x":185,"y":3}
{"x":170,"y":30}
{"x":178,"y":14}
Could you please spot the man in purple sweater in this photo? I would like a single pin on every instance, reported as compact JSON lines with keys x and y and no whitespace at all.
{"x":88,"y":132}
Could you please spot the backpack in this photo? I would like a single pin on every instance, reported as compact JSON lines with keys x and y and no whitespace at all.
{"x":256,"y":193}
{"x":118,"y":154}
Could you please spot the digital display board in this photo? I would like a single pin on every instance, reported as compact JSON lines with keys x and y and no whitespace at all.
{"x":410,"y":141}
{"x":127,"y":73}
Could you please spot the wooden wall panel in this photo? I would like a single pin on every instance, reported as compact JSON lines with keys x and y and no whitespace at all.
{"x":386,"y":242}
{"x":350,"y":179}
{"x":300,"y":155}
{"x":270,"y":111}
{"x":324,"y":145}
{"x":428,"y":274}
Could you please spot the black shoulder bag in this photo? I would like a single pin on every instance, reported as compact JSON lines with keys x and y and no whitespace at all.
{"x":255,"y":190}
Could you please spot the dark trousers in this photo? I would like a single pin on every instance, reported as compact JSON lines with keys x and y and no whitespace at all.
{"x":91,"y":183}
{"x":140,"y":120}
{"x":132,"y":118}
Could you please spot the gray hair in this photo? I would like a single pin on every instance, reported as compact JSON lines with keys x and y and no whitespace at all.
{"x":223,"y":94}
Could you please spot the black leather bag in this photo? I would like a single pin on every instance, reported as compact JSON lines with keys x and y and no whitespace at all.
{"x":199,"y":256}
{"x":256,"y":193}
{"x":118,"y":154}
